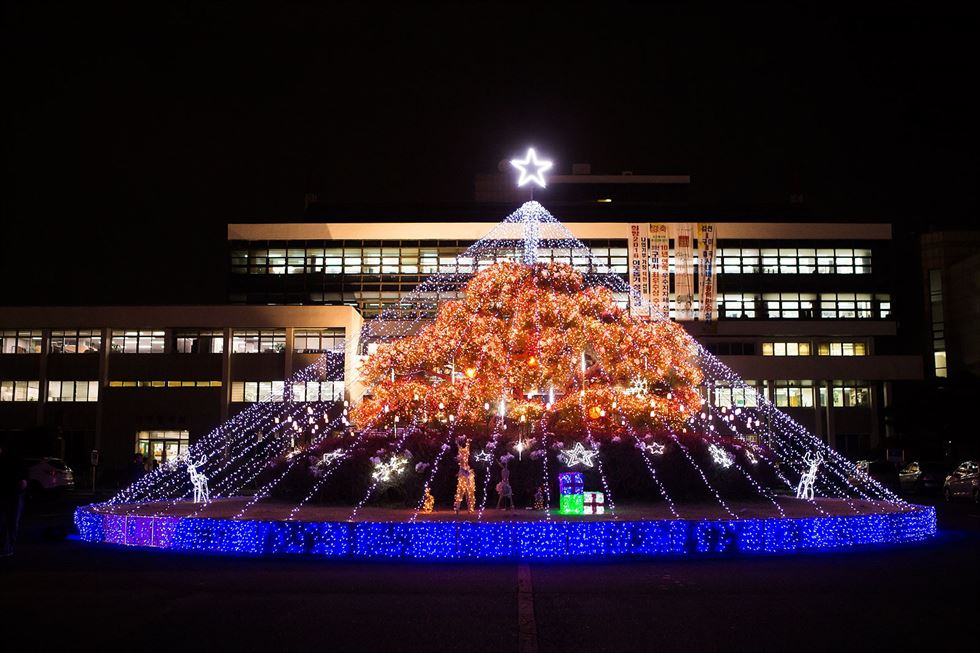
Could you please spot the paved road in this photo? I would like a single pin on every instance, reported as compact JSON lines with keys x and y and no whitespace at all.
{"x":64,"y":592}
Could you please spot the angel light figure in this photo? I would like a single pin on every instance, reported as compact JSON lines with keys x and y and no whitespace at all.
{"x":465,"y":478}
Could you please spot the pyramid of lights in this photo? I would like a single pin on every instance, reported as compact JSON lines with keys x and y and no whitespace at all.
{"x":521,"y":378}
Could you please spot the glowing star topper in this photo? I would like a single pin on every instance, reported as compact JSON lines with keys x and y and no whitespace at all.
{"x":531,"y":161}
{"x":576,"y":455}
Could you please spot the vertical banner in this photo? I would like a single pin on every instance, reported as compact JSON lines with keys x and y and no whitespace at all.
{"x":659,"y":271}
{"x":639,"y":266}
{"x":707,"y":272}
{"x":684,"y":272}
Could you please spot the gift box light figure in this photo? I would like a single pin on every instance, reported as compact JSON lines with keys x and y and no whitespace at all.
{"x":571,"y":489}
{"x":594,"y":503}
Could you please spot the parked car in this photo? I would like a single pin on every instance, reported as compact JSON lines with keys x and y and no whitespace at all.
{"x":923,"y":477}
{"x":880,"y":470}
{"x":964,"y":481}
{"x":48,"y":475}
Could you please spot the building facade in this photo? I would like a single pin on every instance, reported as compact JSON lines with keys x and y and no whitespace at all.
{"x":154,"y":378}
{"x":805,"y":315}
{"x":805,"y":310}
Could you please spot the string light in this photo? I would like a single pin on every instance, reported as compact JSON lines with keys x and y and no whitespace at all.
{"x":528,"y":540}
{"x":556,"y":352}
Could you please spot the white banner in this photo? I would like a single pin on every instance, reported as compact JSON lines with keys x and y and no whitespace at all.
{"x":639,"y":262}
{"x":707,"y":272}
{"x":659,"y":271}
{"x":684,"y":272}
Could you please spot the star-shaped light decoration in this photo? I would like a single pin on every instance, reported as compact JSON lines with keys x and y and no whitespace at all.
{"x":531,"y":161}
{"x":483,"y":456}
{"x":654,"y":448}
{"x":385,"y":471}
{"x":577,"y":455}
{"x":720,"y":456}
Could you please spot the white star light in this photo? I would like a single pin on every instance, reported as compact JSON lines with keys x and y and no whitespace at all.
{"x":531,"y":160}
{"x":655,"y":448}
{"x":483,"y":456}
{"x":577,"y":454}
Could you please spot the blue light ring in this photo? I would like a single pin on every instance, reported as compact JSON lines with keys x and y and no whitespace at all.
{"x":569,"y":539}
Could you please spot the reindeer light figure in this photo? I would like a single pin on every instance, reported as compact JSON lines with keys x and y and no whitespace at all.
{"x":804,"y":490}
{"x":199,"y":481}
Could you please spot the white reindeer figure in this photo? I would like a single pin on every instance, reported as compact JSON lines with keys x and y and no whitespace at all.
{"x":805,"y":488}
{"x":199,"y":481}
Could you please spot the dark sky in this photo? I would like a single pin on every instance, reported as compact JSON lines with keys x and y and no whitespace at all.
{"x":135,"y":132}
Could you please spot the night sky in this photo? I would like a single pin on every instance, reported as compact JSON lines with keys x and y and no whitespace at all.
{"x":134,"y":134}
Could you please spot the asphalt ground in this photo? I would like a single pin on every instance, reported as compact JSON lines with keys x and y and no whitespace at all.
{"x":58,"y":591}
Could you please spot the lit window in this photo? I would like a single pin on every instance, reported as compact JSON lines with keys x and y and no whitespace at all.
{"x":851,"y":394}
{"x":786,"y":349}
{"x":138,"y":342}
{"x":164,"y":384}
{"x":19,"y":390}
{"x":74,"y":341}
{"x":162,"y":446}
{"x":842,"y":349}
{"x":259,"y":341}
{"x":794,"y":394}
{"x":73,"y":390}
{"x":255,"y":391}
{"x":727,"y":395}
{"x":318,"y":391}
{"x":314,"y":341}
{"x":200,"y":342}
{"x":20,"y":342}
{"x":794,"y":261}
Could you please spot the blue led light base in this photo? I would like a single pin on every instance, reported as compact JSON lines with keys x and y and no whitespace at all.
{"x":556,"y":539}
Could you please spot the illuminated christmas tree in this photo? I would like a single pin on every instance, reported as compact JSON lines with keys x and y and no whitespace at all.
{"x":531,"y":343}
{"x":523,"y":346}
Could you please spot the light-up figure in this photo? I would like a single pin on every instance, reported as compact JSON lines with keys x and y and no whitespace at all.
{"x":504,"y":492}
{"x":199,"y":481}
{"x":465,"y":479}
{"x":805,"y":488}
